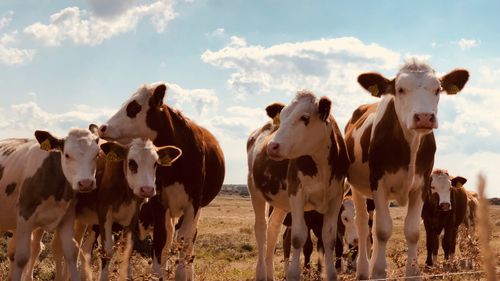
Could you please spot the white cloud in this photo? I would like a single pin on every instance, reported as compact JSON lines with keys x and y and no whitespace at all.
{"x":466,"y":44}
{"x":5,"y":20}
{"x":423,"y":57}
{"x":85,"y":28}
{"x":195,"y":101}
{"x":217,"y":33}
{"x":10,"y":55}
{"x":110,"y":8}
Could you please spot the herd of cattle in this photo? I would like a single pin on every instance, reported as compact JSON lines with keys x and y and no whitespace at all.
{"x":149,"y":168}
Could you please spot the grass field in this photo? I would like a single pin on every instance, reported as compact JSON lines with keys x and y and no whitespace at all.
{"x":226,"y":250}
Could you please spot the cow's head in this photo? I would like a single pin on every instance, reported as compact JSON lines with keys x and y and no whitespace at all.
{"x":303,"y":126}
{"x":416,"y":91}
{"x":138,"y":116}
{"x":441,"y":185}
{"x":79,"y":151}
{"x":347,"y":218}
{"x":140,"y":159}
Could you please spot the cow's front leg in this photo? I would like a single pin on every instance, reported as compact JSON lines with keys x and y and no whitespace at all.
{"x":23,"y":248}
{"x":431,"y":238}
{"x":448,"y":242}
{"x":383,"y":231}
{"x":68,"y":243}
{"x":287,"y":244}
{"x":329,"y":232}
{"x":106,"y":234}
{"x":185,"y":240}
{"x":361,"y":219}
{"x":36,"y":247}
{"x":299,"y":232}
{"x":190,"y":248}
{"x":412,"y":230}
{"x":260,"y":229}
{"x":273,"y":231}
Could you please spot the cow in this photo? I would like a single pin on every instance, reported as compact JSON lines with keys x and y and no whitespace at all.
{"x":297,"y":162}
{"x":444,"y":208}
{"x":391,"y":147}
{"x":470,"y":219}
{"x":184,"y":188}
{"x":126,"y":179}
{"x":39,"y":179}
{"x":346,"y":233}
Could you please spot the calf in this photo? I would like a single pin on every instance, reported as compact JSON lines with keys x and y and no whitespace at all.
{"x":183,"y":188}
{"x":346,"y":233}
{"x":39,"y":181}
{"x":296,"y":163}
{"x":444,"y":209}
{"x":391,"y":148}
{"x":125,"y":179}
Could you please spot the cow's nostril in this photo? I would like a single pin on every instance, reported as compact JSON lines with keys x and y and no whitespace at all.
{"x":416,"y":118}
{"x":103,"y":128}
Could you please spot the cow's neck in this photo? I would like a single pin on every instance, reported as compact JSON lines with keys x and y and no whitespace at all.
{"x":170,"y":124}
{"x":414,"y":139}
{"x":320,"y":156}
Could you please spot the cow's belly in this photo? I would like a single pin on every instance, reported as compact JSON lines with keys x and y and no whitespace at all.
{"x":359,"y":177}
{"x":87,"y":216}
{"x":175,"y":197}
{"x":125,"y":213}
{"x":50,"y":212}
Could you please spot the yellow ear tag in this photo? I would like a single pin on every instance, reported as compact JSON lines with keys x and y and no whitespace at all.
{"x":45,"y":145}
{"x":112,"y":156}
{"x":453,"y":90}
{"x":276,"y":120}
{"x":374,"y":90}
{"x":166,"y":161}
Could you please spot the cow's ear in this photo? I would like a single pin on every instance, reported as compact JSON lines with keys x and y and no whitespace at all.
{"x":114,"y":151}
{"x":94,"y":130}
{"x":48,"y":142}
{"x":454,"y":81}
{"x":273,"y":111}
{"x":156,"y":99}
{"x":458,"y":181}
{"x":376,"y":84}
{"x":168,"y":155}
{"x":324,"y":107}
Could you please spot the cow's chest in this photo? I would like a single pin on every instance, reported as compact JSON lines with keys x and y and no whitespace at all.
{"x":50,"y":213}
{"x":124,"y":213}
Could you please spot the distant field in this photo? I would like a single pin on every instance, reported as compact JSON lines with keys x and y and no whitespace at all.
{"x":226,"y":248}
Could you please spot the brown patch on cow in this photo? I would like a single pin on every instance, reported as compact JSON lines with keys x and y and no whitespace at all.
{"x":2,"y":168}
{"x":337,"y":158}
{"x":269,"y":175}
{"x":425,"y":155}
{"x":11,"y":145}
{"x":324,"y":106}
{"x":133,"y":108}
{"x":304,"y":164}
{"x":48,"y":181}
{"x":350,"y":148}
{"x":389,"y":150}
{"x":365,"y":143}
{"x":10,"y":188}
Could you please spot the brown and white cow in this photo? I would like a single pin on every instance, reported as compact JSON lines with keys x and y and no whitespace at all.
{"x":184,"y":188}
{"x":126,"y":176}
{"x":391,"y":147}
{"x":39,"y":179}
{"x":296,"y":163}
{"x":445,"y":207}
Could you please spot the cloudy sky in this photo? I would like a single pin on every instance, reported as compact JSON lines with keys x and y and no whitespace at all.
{"x":69,"y":63}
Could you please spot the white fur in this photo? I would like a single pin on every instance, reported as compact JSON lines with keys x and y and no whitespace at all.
{"x":441,"y":185}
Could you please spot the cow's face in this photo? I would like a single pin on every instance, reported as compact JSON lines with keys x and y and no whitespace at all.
{"x":136,"y":117}
{"x":441,"y":186}
{"x":416,"y":91}
{"x":347,"y":218}
{"x":79,"y":151}
{"x":140,"y":161}
{"x":303,"y":127}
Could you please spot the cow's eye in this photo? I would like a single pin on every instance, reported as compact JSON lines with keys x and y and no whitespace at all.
{"x":305,"y":119}
{"x":433,"y":188}
{"x":401,"y":91}
{"x":66,"y":156}
{"x":132,"y":165}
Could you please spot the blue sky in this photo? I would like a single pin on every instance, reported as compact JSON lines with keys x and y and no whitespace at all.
{"x":69,"y":63}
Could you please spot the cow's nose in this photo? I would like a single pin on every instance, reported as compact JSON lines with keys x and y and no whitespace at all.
{"x":445,"y":206}
{"x":424,"y":120}
{"x":273,"y":147}
{"x":86,"y":185}
{"x":103,"y":128}
{"x":147,"y":191}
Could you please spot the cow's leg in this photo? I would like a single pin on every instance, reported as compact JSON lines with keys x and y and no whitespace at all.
{"x":68,"y":243}
{"x":273,"y":231}
{"x":57,"y":249}
{"x":317,"y":229}
{"x":329,"y":231}
{"x":36,"y":247}
{"x":447,"y":243}
{"x":185,"y":239}
{"x":430,"y":238}
{"x":190,"y":247}
{"x":308,"y":249}
{"x":412,"y":230}
{"x":287,"y":245}
{"x":11,"y":251}
{"x":168,"y":230}
{"x":383,"y":231}
{"x":363,"y":231}
{"x":86,"y":255}
{"x":339,"y":250}
{"x":299,"y":233}
{"x":106,"y":234}
{"x":125,"y":271}
{"x":260,"y":229}
{"x":159,"y":237}
{"x":22,"y":248}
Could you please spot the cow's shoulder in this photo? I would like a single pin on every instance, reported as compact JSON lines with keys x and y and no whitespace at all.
{"x":359,"y":116}
{"x":338,"y":158}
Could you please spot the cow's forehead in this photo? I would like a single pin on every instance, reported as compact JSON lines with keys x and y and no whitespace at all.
{"x":417,"y":79}
{"x":80,"y":140}
{"x":141,"y":96}
{"x":142,"y":150}
{"x":299,"y":106}
{"x":440,"y":179}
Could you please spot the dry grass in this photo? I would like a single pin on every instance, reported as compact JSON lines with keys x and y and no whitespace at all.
{"x":226,"y":248}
